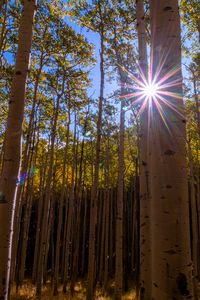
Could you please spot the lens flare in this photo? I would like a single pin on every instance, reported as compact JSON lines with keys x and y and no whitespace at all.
{"x":154,"y":93}
{"x":151,"y":90}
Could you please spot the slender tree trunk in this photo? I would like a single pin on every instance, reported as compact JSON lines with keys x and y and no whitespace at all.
{"x":68,"y":244}
{"x":196,"y":97}
{"x":46,"y":206}
{"x":171,"y":258}
{"x":84,"y":232}
{"x":39,"y":219}
{"x":27,"y":210}
{"x":3,"y":29}
{"x":119,"y":272}
{"x":60,"y":214}
{"x":145,"y":246}
{"x":12,"y":146}
{"x":107,"y":257}
{"x":27,"y":160}
{"x":112,"y":233}
{"x":100,"y":239}
{"x":194,"y":222}
{"x":107,"y":210}
{"x":94,"y":192}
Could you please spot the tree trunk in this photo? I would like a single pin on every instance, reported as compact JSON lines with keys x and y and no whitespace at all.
{"x":60,"y":214}
{"x":119,"y":272}
{"x":194,"y":221}
{"x":107,"y":212}
{"x":23,"y":239}
{"x":39,"y":219}
{"x":171,"y":259}
{"x":94,"y":191}
{"x":22,"y":192}
{"x":3,"y":30}
{"x":145,"y":247}
{"x":196,"y":97}
{"x":12,"y":145}
{"x":68,"y":244}
{"x":46,"y":205}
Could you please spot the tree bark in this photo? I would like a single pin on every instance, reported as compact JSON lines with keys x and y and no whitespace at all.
{"x":94,"y":191}
{"x":12,"y":145}
{"x":68,"y":244}
{"x":60,"y":213}
{"x":145,"y":246}
{"x":28,"y":152}
{"x":119,"y":272}
{"x":170,"y":237}
{"x":46,"y":205}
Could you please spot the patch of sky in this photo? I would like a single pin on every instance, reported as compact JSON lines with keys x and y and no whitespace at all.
{"x":93,"y":38}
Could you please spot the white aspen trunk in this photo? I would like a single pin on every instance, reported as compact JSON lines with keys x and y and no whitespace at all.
{"x":119,"y":272}
{"x":47,"y":202}
{"x":94,"y":191}
{"x":60,"y":214}
{"x":24,"y":198}
{"x":193,"y":213}
{"x":196,"y":97}
{"x":84,"y":232}
{"x":12,"y":145}
{"x":3,"y":29}
{"x":68,"y":245}
{"x":101,"y":240}
{"x":24,"y":167}
{"x":106,"y":200}
{"x":39,"y":220}
{"x":75,"y":236}
{"x":145,"y":237}
{"x":28,"y":210}
{"x":111,"y":227}
{"x":171,"y":258}
{"x":194,"y":222}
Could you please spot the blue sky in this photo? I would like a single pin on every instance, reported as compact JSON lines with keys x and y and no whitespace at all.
{"x":93,"y":38}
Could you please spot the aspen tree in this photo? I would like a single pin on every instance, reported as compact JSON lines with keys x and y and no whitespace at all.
{"x":145,"y":246}
{"x":171,"y":259}
{"x":28,"y":152}
{"x":12,"y":145}
{"x":120,"y":197}
{"x":68,"y":243}
{"x":60,"y":213}
{"x":94,"y":191}
{"x":47,"y":200}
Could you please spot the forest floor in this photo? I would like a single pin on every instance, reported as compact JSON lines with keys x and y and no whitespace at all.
{"x":27,"y":291}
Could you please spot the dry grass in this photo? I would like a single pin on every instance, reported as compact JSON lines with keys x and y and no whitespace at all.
{"x":27,"y":291}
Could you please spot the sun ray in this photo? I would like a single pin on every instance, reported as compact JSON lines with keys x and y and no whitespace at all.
{"x":154,"y":92}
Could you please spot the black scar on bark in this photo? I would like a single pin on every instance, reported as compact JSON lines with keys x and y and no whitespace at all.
{"x":18,"y":73}
{"x":144,"y":163}
{"x":171,"y":252}
{"x":155,"y":284}
{"x":168,"y":186}
{"x":181,"y":281}
{"x":2,"y":198}
{"x":167,"y":8}
{"x":169,"y":152}
{"x":142,"y":290}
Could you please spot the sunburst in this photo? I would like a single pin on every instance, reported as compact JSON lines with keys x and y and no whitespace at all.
{"x":155,"y":93}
